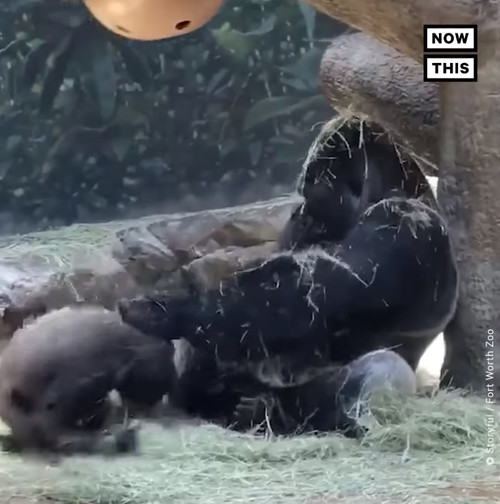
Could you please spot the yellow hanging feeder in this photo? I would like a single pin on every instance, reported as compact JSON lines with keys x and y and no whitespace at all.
{"x":153,"y":19}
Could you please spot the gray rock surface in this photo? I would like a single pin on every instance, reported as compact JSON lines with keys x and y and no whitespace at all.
{"x":103,"y":262}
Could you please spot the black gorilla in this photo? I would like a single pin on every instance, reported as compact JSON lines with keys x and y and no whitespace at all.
{"x":340,"y":181}
{"x":366,"y":263}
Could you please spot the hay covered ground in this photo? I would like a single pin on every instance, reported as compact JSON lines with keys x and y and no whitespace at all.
{"x":428,"y":450}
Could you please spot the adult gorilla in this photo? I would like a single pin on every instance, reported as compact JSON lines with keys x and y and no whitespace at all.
{"x":366,"y":264}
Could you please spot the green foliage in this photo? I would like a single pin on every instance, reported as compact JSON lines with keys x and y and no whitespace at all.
{"x":93,"y":124}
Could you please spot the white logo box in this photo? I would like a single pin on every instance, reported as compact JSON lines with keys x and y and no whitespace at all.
{"x":450,"y":38}
{"x":450,"y":68}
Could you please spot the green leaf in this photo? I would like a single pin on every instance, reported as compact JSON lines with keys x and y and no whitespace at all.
{"x":297,"y":84}
{"x":227,"y":147}
{"x":10,"y":50}
{"x":35,"y":62}
{"x":66,"y":16}
{"x":288,"y":155}
{"x":64,"y":144}
{"x":255,"y":150}
{"x":238,"y":43}
{"x":13,"y":142}
{"x":57,"y":65}
{"x":5,"y":166}
{"x":234,"y":42}
{"x":120,"y":146}
{"x":276,"y":106}
{"x":12,"y":81}
{"x":306,"y":68}
{"x":106,"y":80}
{"x":309,"y":14}
{"x":136,"y":68}
{"x":126,"y":115}
{"x":266,"y":26}
{"x":216,"y":79}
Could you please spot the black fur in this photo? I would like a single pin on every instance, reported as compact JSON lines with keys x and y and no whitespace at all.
{"x":366,"y":263}
{"x":344,"y":174}
{"x":332,"y":400}
{"x":342,"y":299}
{"x":202,"y":389}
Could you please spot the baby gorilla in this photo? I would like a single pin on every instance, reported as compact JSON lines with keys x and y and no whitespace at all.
{"x":57,"y":372}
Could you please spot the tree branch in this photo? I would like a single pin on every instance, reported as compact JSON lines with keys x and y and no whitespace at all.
{"x":371,"y":79}
{"x":399,"y":23}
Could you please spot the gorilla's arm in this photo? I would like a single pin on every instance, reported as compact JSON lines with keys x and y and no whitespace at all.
{"x":250,"y":315}
{"x":393,"y":272}
{"x":403,"y":275}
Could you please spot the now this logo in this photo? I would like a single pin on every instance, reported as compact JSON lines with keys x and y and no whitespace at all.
{"x":450,"y":39}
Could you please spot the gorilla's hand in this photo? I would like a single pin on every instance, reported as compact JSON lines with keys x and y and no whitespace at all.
{"x":258,"y":313}
{"x":158,"y":316}
{"x":257,"y":414}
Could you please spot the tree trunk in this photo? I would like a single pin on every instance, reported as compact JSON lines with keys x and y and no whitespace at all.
{"x":367,"y":78}
{"x":469,"y":193}
{"x":469,"y":152}
{"x":399,"y":23}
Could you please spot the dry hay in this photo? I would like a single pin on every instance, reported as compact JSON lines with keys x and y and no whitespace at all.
{"x":424,"y":450}
{"x":65,"y":245}
{"x":331,"y":134}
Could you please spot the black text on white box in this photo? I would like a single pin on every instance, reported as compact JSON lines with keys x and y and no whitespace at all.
{"x":450,"y":38}
{"x":450,"y":68}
